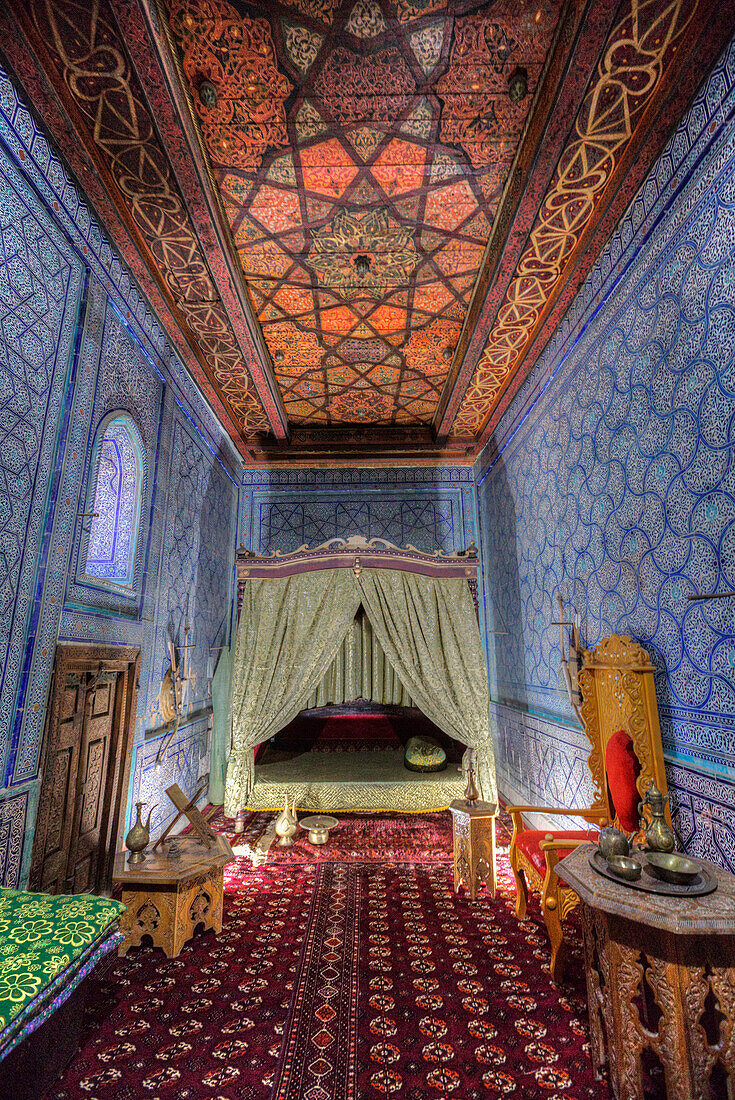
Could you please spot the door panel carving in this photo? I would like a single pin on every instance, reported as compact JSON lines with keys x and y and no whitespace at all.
{"x":88,"y":739}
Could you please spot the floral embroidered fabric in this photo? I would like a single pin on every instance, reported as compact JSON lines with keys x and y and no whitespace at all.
{"x":40,"y":937}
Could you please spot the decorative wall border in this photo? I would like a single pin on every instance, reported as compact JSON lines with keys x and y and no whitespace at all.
{"x":13,"y":812}
{"x":374,"y":477}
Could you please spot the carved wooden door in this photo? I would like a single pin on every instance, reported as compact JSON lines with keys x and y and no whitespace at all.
{"x":62,"y":769}
{"x":85,"y":770}
{"x":91,"y":804}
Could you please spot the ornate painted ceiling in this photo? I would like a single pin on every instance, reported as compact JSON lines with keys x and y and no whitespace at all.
{"x":360,"y":220}
{"x":361,"y":155}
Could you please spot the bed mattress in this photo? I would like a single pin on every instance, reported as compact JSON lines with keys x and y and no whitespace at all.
{"x":374,"y":779}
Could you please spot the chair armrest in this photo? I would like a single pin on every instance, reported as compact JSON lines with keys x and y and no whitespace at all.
{"x":552,"y":850}
{"x":561,"y":845}
{"x":561,"y":811}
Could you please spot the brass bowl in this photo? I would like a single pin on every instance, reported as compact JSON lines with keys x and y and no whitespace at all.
{"x":671,"y":867}
{"x":624,"y":867}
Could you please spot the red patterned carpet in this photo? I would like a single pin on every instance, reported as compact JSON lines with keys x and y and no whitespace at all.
{"x":343,"y":981}
{"x":359,"y":838}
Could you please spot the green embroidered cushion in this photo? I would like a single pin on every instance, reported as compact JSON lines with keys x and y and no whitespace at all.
{"x":40,"y":936}
{"x":424,"y":754}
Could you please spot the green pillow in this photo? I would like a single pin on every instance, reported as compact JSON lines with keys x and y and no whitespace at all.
{"x":424,"y":754}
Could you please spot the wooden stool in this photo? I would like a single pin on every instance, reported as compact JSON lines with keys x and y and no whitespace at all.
{"x":473,"y":831}
{"x":171,"y":892}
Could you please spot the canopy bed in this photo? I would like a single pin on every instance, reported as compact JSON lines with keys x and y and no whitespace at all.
{"x":355,"y":618}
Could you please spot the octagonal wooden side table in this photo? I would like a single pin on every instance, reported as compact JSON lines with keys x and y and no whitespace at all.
{"x":473,"y":834}
{"x":660,"y":981}
{"x":176,"y":888}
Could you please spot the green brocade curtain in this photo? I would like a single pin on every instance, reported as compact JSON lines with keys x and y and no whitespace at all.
{"x":428,"y":630}
{"x":360,"y":670}
{"x":292,"y":628}
{"x":221,"y":727}
{"x":289,"y":632}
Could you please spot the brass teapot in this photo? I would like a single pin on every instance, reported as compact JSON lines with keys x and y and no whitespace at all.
{"x":658,"y":832}
{"x":613,"y":842}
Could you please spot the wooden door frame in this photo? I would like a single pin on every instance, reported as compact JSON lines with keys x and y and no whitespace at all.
{"x":78,"y":657}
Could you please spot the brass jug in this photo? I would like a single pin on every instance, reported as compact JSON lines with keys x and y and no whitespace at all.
{"x":137,"y":839}
{"x":659,"y":834}
{"x":286,"y":824}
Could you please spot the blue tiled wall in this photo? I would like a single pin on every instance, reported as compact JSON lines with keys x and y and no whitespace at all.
{"x":77,"y":341}
{"x":612,"y":477}
{"x":433,"y":509}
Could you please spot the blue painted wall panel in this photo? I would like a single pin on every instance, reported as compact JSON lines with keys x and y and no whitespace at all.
{"x":77,"y":342}
{"x":434,"y":509}
{"x":612,"y":478}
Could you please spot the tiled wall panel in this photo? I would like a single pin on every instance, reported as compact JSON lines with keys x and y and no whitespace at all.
{"x":77,"y":342}
{"x":433,"y":509}
{"x":612,"y":479}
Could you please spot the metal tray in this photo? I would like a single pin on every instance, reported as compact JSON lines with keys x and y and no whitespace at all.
{"x":704,"y":883}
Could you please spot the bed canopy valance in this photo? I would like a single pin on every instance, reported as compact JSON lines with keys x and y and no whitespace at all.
{"x":296,"y":610}
{"x":358,"y":553}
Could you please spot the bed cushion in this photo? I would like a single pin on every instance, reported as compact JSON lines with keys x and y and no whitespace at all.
{"x":424,"y":754}
{"x":529,"y":843}
{"x":43,"y":936}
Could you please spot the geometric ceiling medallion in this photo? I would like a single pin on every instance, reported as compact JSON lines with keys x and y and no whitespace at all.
{"x":363,"y":255}
{"x":316,"y":195}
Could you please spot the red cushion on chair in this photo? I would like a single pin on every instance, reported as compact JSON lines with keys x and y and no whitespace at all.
{"x":623,"y":768}
{"x":529,"y":843}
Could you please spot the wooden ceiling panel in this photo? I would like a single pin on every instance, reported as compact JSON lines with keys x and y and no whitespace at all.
{"x":360,"y":220}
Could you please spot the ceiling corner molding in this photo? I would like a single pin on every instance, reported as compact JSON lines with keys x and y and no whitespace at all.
{"x":167,"y":89}
{"x":160,"y":242}
{"x":674,"y":51}
{"x":582,"y":32}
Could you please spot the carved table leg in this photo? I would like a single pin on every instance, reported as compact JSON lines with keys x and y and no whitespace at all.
{"x":218,"y":887}
{"x":595,"y":996}
{"x":620,"y":979}
{"x":708,"y":999}
{"x":483,"y":853}
{"x":658,"y":992}
{"x":463,"y":855}
{"x":150,"y":912}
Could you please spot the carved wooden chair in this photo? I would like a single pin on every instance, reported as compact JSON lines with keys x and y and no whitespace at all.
{"x":621,"y":721}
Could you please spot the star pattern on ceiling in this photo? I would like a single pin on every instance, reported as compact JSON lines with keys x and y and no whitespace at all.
{"x":361,"y":201}
{"x":360,"y":220}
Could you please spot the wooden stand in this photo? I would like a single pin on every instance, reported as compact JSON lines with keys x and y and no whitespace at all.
{"x":473,"y":832}
{"x":172,"y":892}
{"x":660,"y":983}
